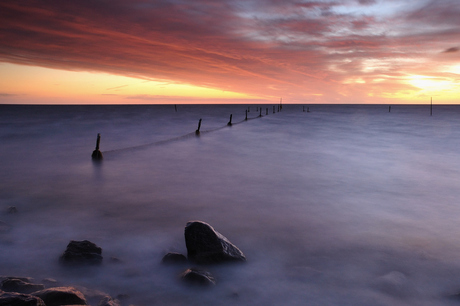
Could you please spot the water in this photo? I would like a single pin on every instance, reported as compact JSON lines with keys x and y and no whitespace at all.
{"x":344,"y":205}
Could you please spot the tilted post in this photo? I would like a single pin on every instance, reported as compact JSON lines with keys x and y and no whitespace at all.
{"x":197,"y":132}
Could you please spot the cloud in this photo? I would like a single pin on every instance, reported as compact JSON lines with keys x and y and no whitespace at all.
{"x":451,"y":50}
{"x":267,"y":48}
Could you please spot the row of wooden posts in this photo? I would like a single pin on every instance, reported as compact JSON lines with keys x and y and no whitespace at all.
{"x":97,"y":154}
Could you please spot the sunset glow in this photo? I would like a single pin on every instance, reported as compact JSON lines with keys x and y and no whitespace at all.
{"x":229,"y":51}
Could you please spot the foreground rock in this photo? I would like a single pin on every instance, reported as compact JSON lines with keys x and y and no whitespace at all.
{"x":82,"y":252}
{"x":20,"y":285}
{"x":174,"y":258}
{"x":19,"y":299}
{"x":198,"y":277}
{"x":61,"y":296}
{"x":205,"y":245}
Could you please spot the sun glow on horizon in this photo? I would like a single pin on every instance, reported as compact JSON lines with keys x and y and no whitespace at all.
{"x":20,"y":82}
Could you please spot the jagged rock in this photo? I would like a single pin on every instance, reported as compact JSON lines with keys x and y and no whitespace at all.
{"x":206,"y":245}
{"x":174,"y":258}
{"x":198,"y":277}
{"x":12,"y":210}
{"x":108,"y":301}
{"x":61,"y":296}
{"x":21,"y":285}
{"x":19,"y":299}
{"x":82,"y":252}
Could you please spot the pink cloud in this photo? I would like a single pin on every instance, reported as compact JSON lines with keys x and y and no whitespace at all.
{"x":259,"y":47}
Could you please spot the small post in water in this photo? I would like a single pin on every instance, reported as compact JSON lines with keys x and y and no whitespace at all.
{"x":97,"y":154}
{"x":303,"y":109}
{"x":260,"y":114}
{"x":230,"y":122}
{"x":175,"y":107}
{"x":197,"y":132}
{"x":266,"y":111}
{"x":246,"y":118}
{"x":431,"y":107}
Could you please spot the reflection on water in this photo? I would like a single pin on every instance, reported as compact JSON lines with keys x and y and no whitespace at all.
{"x":342,"y":205}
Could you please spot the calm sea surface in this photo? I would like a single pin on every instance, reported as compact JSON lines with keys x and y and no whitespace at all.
{"x":342,"y":205}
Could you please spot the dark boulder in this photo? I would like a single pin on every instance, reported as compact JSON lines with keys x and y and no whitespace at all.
{"x":198,"y":277}
{"x":78,"y":252}
{"x":21,"y":285}
{"x":19,"y":299}
{"x":174,"y":258}
{"x":61,"y":296}
{"x":205,"y":245}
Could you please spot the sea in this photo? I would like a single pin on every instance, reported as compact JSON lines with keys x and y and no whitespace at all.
{"x":331,"y":204}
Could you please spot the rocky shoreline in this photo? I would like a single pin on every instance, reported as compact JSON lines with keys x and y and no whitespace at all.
{"x":205,"y":246}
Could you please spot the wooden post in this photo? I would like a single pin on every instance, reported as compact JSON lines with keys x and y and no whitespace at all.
{"x":246,"y":118}
{"x":197,"y":132}
{"x":230,"y":122}
{"x":431,"y":107}
{"x":260,"y":114}
{"x":97,"y":154}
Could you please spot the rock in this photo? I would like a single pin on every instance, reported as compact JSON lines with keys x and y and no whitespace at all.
{"x":12,"y":284}
{"x":174,"y":258}
{"x":78,"y":252}
{"x":198,"y":277}
{"x":61,"y":296}
{"x":19,"y":299}
{"x":108,"y":301}
{"x":12,"y":210}
{"x":206,"y":245}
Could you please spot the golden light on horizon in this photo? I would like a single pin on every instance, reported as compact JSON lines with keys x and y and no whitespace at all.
{"x":99,"y":87}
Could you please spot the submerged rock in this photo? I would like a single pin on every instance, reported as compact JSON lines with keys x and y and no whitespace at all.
{"x":174,"y":258}
{"x":206,"y":245}
{"x":109,"y":301}
{"x":19,"y":299}
{"x":198,"y":277}
{"x":82,"y":252}
{"x":61,"y":296}
{"x":21,"y":285}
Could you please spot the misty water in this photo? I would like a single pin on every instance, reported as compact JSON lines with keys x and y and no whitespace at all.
{"x":342,"y":205}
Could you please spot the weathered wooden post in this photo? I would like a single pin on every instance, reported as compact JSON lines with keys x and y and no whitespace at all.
{"x":230,"y":122}
{"x":431,"y":107}
{"x":197,"y":132}
{"x":246,"y":118}
{"x":97,"y":154}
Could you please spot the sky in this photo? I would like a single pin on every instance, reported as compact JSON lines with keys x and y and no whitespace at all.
{"x":229,"y":51}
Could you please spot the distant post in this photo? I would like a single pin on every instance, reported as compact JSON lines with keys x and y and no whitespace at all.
{"x":260,"y":114}
{"x":431,"y":107}
{"x":230,"y":122}
{"x":266,"y":111}
{"x":197,"y":132}
{"x":246,"y":118}
{"x":97,"y":154}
